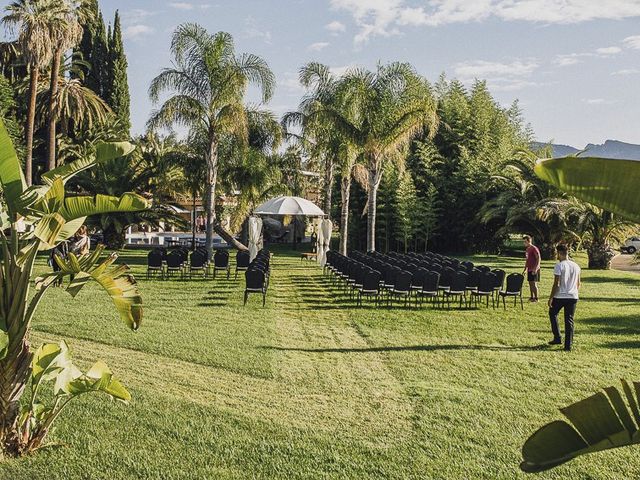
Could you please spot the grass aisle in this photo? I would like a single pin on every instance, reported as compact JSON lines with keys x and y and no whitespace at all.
{"x":312,"y":387}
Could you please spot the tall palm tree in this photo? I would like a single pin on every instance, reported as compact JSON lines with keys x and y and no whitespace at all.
{"x":209,"y":82}
{"x":74,"y":105}
{"x":322,"y":139}
{"x":386,"y":110}
{"x":527,"y":204}
{"x":34,"y":20}
{"x":66,"y":33}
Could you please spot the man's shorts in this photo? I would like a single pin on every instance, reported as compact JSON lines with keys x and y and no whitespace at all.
{"x":533,"y":276}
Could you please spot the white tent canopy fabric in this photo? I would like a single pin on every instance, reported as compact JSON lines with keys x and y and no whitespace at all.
{"x":255,"y":229}
{"x":324,"y":233}
{"x":285,"y":205}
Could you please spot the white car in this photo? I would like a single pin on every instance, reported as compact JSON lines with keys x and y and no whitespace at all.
{"x":631,"y":245}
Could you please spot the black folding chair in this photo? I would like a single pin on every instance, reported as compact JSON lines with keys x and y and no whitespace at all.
{"x":458,"y":288}
{"x":154,"y":264}
{"x":197,"y":263}
{"x":401,"y":287}
{"x":255,"y":283}
{"x":485,"y":289}
{"x":513,"y":289}
{"x":370,"y":287}
{"x":242,"y":261}
{"x":175,"y":264}
{"x":430,"y":284}
{"x":221,"y":262}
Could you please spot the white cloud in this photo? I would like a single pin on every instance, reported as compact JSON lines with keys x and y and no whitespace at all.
{"x":340,"y":71}
{"x":597,"y":101}
{"x":626,"y":71}
{"x":318,"y":46}
{"x":252,"y":30}
{"x":608,"y":51}
{"x":335,"y":27}
{"x":181,"y":5}
{"x":139,"y":30}
{"x":483,"y":69}
{"x":500,"y":76}
{"x":384,"y":17}
{"x":632,"y":42}
{"x":566,"y":60}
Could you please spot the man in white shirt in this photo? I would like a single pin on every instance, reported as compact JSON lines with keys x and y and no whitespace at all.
{"x":564,"y":295}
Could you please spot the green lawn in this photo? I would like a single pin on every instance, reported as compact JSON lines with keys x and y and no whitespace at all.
{"x":312,"y":387}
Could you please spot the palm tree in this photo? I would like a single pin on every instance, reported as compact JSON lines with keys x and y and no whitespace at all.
{"x":323,"y":140}
{"x":386,"y":110}
{"x":74,"y":105}
{"x":209,"y":82}
{"x":254,"y":169}
{"x":598,"y":229}
{"x":149,"y":172}
{"x":35,"y":20}
{"x":527,"y":204}
{"x":66,"y":33}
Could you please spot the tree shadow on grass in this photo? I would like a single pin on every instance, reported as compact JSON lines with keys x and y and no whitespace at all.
{"x":625,"y":344}
{"x":613,"y":325}
{"x":415,"y":348}
{"x":606,"y":279}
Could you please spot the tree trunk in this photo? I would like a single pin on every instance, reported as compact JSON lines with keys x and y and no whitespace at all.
{"x":374,"y":183}
{"x":547,"y":250}
{"x":227,"y":237}
{"x":53,"y":90}
{"x":600,"y":256}
{"x":328,"y":187}
{"x":15,"y":366}
{"x":345,"y":192}
{"x":193,"y":223}
{"x":31,"y":118}
{"x":212,"y":177}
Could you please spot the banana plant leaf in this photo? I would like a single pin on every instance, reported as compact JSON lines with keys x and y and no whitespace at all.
{"x":610,"y":184}
{"x":600,"y":422}
{"x":105,"y":152}
{"x":115,"y":280}
{"x":11,"y":177}
{"x":77,"y":207}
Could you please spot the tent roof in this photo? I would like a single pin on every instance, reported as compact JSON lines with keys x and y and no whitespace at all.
{"x":289,"y":206}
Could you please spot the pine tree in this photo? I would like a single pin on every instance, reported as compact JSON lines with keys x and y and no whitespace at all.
{"x":118,"y":92}
{"x":405,"y":203}
{"x":93,"y":49}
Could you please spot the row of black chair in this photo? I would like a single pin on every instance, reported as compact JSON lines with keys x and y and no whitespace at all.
{"x":257,"y":276}
{"x":167,"y":264}
{"x":432,"y":276}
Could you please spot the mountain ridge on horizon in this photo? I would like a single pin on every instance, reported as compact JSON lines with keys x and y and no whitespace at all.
{"x":608,"y":149}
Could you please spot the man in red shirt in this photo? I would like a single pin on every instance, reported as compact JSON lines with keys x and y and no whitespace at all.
{"x":532,"y":267}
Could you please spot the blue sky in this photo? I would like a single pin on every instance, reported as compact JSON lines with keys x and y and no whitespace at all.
{"x":574,"y":64}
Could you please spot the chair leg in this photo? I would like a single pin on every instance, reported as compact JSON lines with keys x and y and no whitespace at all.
{"x":521,"y":302}
{"x":246,"y":295}
{"x":264,"y":298}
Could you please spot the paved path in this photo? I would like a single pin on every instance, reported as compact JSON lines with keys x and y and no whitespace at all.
{"x":623,"y":263}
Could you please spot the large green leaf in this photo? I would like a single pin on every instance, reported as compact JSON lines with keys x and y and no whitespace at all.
{"x":119,"y":284}
{"x":4,"y":343}
{"x":76,"y":207}
{"x":608,"y":183}
{"x":11,"y":177}
{"x":599,"y":422}
{"x":46,"y":363}
{"x":71,"y":381}
{"x":105,"y":152}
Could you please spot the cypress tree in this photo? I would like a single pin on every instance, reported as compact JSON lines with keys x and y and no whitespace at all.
{"x":118,"y":94}
{"x":94,"y":50}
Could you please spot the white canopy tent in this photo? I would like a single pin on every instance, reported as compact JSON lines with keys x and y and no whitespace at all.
{"x":290,"y":206}
{"x":295,"y":206}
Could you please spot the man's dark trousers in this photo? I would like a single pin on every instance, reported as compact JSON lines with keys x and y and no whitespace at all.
{"x":569,"y":306}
